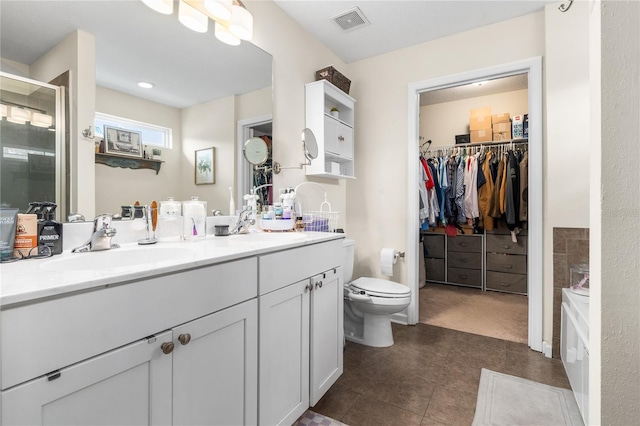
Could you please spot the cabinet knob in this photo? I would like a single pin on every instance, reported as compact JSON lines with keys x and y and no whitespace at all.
{"x":319,"y":284}
{"x":341,"y":138}
{"x":308,"y":287}
{"x":167,"y":347}
{"x":184,"y":339}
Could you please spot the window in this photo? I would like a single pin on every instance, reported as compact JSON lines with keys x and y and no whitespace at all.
{"x":151,"y":134}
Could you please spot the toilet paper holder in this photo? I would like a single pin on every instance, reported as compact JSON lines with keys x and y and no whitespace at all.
{"x":397,"y":255}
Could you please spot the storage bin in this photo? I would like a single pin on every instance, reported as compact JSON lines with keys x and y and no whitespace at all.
{"x":334,"y":76}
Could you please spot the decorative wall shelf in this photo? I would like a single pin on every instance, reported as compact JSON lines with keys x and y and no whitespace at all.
{"x":128,"y":162}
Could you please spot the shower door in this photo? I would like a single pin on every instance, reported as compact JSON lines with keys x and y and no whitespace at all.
{"x":31,"y":148}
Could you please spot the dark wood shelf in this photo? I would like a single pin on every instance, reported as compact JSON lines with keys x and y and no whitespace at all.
{"x":128,"y":162}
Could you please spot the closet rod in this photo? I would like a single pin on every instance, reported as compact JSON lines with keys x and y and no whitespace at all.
{"x":480,"y":144}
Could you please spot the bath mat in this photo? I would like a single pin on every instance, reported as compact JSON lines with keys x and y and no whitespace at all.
{"x":309,"y":418}
{"x":509,"y":400}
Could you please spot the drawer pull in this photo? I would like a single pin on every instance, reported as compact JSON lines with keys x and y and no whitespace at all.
{"x":167,"y":348}
{"x":508,"y":266}
{"x":184,"y":339}
{"x":319,"y":284}
{"x":308,"y":287}
{"x":341,"y":138}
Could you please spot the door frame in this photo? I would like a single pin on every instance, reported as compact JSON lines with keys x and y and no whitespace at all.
{"x":244,"y":132}
{"x":533,"y":68}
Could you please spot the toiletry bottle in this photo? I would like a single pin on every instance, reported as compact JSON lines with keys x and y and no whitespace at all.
{"x":277,"y":208}
{"x":50,"y":231}
{"x":232,"y":203}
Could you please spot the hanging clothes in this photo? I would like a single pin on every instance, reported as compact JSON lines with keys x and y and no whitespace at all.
{"x":524,"y":186}
{"x":471,"y":189}
{"x":459,"y":200}
{"x":485,"y":193}
{"x":423,"y":195}
{"x":495,"y":210}
{"x":512,"y":192}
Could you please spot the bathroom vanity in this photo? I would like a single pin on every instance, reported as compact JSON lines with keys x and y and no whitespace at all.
{"x":225,"y":331}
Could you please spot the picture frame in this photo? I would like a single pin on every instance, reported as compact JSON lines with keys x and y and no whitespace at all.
{"x":204,"y":167}
{"x":122,"y":142}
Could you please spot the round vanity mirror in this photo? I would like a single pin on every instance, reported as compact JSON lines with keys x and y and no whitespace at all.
{"x":310,"y":144}
{"x":256,"y":151}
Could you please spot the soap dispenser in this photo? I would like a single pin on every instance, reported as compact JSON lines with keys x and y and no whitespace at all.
{"x":49,"y":230}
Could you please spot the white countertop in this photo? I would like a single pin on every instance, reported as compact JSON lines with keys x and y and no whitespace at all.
{"x":32,"y":279}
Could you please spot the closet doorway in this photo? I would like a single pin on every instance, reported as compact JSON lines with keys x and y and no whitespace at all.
{"x":247,"y":176}
{"x":531,"y":70}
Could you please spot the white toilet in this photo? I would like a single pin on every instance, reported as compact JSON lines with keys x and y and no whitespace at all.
{"x":369,"y":304}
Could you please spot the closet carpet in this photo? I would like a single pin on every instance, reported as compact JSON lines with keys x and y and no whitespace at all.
{"x":486,"y":313}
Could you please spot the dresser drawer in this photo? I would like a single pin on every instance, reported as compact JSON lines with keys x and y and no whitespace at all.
{"x":512,"y":283}
{"x":464,"y":260}
{"x":434,"y":269}
{"x":469,"y":277}
{"x":470,"y":244}
{"x":434,"y":245}
{"x":503,"y":244}
{"x":513,"y":264}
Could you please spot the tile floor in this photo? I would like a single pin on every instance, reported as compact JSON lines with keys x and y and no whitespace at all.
{"x":429,"y":377}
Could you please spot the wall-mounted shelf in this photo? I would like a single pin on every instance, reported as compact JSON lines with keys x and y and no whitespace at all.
{"x":128,"y":162}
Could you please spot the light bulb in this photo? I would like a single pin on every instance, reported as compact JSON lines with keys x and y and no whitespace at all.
{"x":241,"y":24}
{"x":219,"y":9}
{"x":224,"y":35}
{"x":192,"y":18}
{"x":162,"y":6}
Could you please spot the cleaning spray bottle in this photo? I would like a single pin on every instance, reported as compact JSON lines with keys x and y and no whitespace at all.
{"x":232,"y":203}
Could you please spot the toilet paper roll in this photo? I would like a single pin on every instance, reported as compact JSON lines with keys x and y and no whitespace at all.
{"x":387,"y":260}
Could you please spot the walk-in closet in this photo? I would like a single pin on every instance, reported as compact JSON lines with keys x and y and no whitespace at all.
{"x":473,"y":208}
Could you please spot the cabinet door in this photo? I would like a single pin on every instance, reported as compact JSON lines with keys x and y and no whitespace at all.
{"x":284,"y":354}
{"x":338,"y":138}
{"x":126,"y":386}
{"x":327,"y":332}
{"x":215,"y":368}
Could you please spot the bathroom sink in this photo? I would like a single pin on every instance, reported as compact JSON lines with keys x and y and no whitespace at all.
{"x":117,"y":258}
{"x":267,"y":237}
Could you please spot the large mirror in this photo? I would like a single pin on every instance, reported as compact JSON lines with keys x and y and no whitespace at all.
{"x":207,"y":94}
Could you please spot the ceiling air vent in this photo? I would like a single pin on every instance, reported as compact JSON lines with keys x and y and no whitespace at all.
{"x":351,"y":19}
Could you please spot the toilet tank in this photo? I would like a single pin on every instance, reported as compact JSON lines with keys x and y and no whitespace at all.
{"x":348,"y":249}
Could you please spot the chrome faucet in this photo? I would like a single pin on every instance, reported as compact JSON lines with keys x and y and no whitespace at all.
{"x":100,"y":237}
{"x":243,"y":223}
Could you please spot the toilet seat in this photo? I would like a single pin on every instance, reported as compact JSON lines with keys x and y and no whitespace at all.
{"x":377,"y":287}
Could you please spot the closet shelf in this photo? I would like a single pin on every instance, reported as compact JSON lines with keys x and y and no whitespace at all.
{"x":128,"y":162}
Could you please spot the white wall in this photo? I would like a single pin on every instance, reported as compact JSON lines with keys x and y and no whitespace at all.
{"x":114,"y":186}
{"x":211,"y":124}
{"x":76,"y":53}
{"x":618,"y":214}
{"x":377,"y":199}
{"x":442,"y":122}
{"x":296,"y":57}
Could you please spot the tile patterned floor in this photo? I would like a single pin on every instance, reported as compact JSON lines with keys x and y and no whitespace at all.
{"x":429,"y":377}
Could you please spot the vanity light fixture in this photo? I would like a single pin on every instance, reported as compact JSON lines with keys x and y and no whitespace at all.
{"x":3,"y":110}
{"x":224,"y":35}
{"x":192,"y":18}
{"x":241,"y":21}
{"x":219,"y":9}
{"x":145,"y":85}
{"x":41,"y":120}
{"x":18,"y":115}
{"x":161,"y":6}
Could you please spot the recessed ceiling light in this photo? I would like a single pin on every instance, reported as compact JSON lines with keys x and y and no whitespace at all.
{"x":145,"y":85}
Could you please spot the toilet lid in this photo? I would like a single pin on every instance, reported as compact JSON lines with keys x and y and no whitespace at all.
{"x":382,"y":288}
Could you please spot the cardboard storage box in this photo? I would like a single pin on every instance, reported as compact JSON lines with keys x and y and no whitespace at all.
{"x":501,"y":127}
{"x":480,"y":112}
{"x":502,"y":136}
{"x":480,"y":122}
{"x":483,"y":135}
{"x":505,"y":117}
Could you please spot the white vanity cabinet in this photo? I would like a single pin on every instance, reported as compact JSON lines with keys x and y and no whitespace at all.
{"x":334,"y":135}
{"x":192,"y":359}
{"x":301,"y":330}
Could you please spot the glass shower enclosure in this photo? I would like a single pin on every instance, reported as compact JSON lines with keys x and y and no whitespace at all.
{"x":32,"y":158}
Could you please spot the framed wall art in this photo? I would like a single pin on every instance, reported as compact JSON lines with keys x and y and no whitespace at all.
{"x":205,"y":166}
{"x":122,"y":142}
